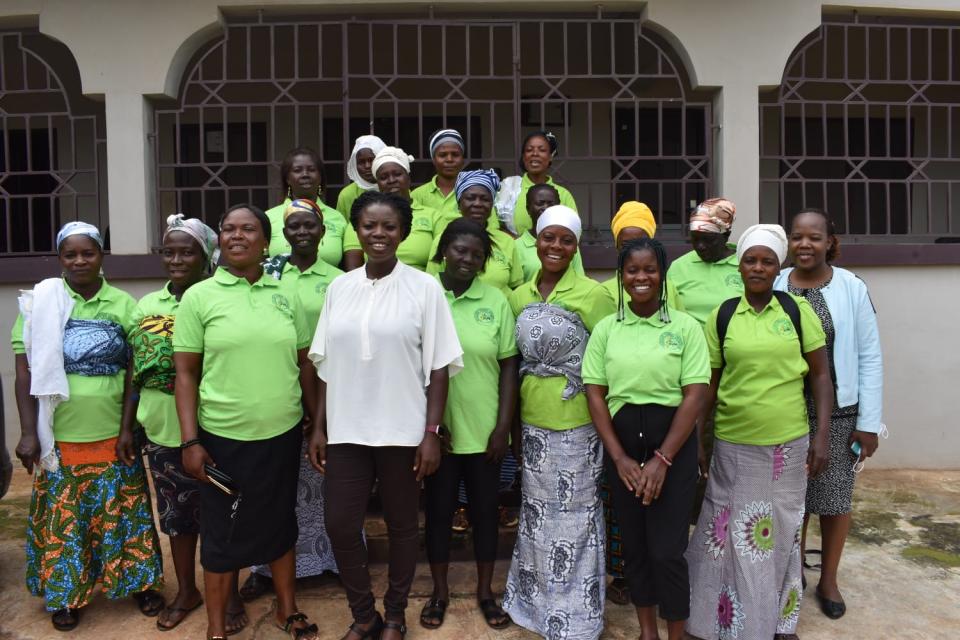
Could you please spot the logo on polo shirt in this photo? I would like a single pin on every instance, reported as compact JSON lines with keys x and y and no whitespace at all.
{"x":422,"y":222}
{"x":734,"y":281}
{"x":320,"y":288}
{"x":483,"y":316}
{"x":782,"y":327}
{"x":671,"y":341}
{"x":498,"y":256}
{"x":280,"y":302}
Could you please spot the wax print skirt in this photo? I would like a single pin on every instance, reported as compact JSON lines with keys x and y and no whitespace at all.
{"x":91,"y":521}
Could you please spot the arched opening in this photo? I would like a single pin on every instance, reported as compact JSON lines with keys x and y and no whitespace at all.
{"x":630,"y":126}
{"x":52,"y":146}
{"x":866,"y":124}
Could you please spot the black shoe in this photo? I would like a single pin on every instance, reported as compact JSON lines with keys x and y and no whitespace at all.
{"x":831,"y":609}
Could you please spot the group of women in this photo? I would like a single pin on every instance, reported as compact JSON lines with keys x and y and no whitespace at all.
{"x":420,"y":339}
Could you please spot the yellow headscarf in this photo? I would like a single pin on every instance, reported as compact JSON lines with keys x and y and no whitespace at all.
{"x":633,"y":214}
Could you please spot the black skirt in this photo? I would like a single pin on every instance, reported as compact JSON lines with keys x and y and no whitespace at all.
{"x":265,"y":526}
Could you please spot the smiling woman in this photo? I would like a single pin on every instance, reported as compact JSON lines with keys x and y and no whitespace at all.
{"x":385,"y":329}
{"x":70,"y":342}
{"x":244,"y":320}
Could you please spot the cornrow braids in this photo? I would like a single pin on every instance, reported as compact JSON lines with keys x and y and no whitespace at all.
{"x":636,"y":246}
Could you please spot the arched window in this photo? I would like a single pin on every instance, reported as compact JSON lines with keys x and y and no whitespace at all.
{"x":866,"y":124}
{"x":52,"y":146}
{"x":629,"y":125}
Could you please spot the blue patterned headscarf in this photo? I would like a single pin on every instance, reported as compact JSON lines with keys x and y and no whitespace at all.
{"x":487,"y":178}
{"x":77,"y":228}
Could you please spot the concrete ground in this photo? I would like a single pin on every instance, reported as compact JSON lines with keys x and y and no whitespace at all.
{"x":900,"y":577}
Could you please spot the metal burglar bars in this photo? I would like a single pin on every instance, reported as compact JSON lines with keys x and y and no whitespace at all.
{"x":867,"y":125}
{"x":628,"y":123}
{"x":52,"y":146}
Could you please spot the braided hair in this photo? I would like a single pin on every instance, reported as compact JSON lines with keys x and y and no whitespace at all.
{"x":636,"y":246}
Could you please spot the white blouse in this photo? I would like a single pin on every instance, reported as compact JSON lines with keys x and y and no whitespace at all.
{"x":375,"y":345}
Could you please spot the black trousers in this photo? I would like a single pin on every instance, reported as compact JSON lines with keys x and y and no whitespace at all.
{"x":655,"y":537}
{"x":351,"y":471}
{"x":481,"y":480}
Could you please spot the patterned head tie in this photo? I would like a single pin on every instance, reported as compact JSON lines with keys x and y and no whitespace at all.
{"x":196,"y":229}
{"x":486,"y":178}
{"x":444,"y":136}
{"x":715,"y":215}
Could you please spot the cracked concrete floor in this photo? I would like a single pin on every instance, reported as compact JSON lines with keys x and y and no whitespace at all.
{"x":900,"y":576}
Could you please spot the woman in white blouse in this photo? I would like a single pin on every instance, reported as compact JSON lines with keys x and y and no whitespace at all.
{"x":385,"y":348}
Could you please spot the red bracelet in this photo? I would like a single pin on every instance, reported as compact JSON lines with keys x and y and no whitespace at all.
{"x":663,"y":458}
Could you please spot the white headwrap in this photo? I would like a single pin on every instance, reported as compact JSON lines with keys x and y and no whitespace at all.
{"x":771,"y":236}
{"x":196,"y":229}
{"x":78,"y":228}
{"x":373,"y":143}
{"x":560,"y":215}
{"x":394,"y":155}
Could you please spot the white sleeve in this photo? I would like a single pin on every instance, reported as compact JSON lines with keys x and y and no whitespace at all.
{"x":318,"y":348}
{"x":440,"y":344}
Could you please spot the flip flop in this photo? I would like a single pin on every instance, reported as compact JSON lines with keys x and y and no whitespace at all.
{"x":241,"y":613}
{"x":172,"y":610}
{"x":65,"y":619}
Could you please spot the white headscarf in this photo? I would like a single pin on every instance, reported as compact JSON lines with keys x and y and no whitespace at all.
{"x":78,"y":228}
{"x":394,"y":155}
{"x":771,"y":236}
{"x":561,"y":215}
{"x":373,"y":143}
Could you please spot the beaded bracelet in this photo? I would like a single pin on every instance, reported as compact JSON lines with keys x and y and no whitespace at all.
{"x":663,"y":458}
{"x":189,"y":443}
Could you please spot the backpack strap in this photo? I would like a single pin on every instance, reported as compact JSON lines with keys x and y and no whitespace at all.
{"x":727,"y":309}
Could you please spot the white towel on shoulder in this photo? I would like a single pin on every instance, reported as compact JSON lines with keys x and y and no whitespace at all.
{"x":45,"y":311}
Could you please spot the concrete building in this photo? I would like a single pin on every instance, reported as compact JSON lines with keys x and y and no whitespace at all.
{"x":120,"y":113}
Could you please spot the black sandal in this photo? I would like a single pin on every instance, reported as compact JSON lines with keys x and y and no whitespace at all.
{"x":177,"y":611}
{"x":491,"y":611}
{"x":150,"y":602}
{"x":434,"y":609}
{"x":372,"y":633}
{"x":395,"y":626}
{"x":299,"y":633}
{"x":618,"y":591}
{"x":65,"y":619}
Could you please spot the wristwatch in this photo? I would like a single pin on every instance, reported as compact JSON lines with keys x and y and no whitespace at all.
{"x":436,"y":429}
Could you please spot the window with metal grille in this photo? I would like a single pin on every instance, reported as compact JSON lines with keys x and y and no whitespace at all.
{"x":52,"y":146}
{"x":629,"y":125}
{"x":866,"y":124}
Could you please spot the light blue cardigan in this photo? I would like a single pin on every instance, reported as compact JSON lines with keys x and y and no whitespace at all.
{"x":856,"y":349}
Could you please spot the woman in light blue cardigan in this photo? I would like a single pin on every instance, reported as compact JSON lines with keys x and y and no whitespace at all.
{"x":843,"y":305}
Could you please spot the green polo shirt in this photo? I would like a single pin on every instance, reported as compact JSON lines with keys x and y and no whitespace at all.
{"x":521,"y":219}
{"x":93,"y":411}
{"x":429,"y":195}
{"x":338,"y":237}
{"x":527,"y":244}
{"x":504,"y":268}
{"x":485,"y":327}
{"x":311,"y":288}
{"x":540,"y":398}
{"x":345,"y":201}
{"x":699,"y":287}
{"x":157,"y":411}
{"x":248,"y":336}
{"x":427,"y":224}
{"x":760,"y":399}
{"x":645,"y":360}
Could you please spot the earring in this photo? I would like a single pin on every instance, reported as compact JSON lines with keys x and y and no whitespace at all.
{"x":289,"y":193}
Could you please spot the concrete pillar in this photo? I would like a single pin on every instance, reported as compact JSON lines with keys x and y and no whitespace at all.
{"x":737,"y":152}
{"x":130,"y":188}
